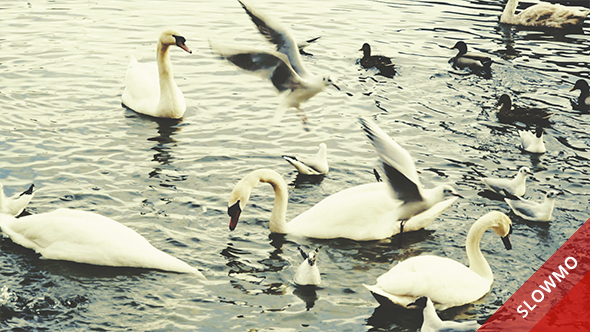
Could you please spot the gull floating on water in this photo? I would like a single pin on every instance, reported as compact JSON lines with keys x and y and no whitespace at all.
{"x":402,"y":177}
{"x":308,"y":273}
{"x":283,"y":67}
{"x":15,"y":205}
{"x":433,"y":323}
{"x":515,"y":186}
{"x":533,"y":211}
{"x":532,"y":142}
{"x":316,"y":166}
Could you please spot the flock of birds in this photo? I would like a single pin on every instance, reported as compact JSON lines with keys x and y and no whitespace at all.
{"x":366,"y":212}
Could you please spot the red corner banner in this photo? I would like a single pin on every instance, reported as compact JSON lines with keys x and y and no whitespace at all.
{"x":556,"y":297}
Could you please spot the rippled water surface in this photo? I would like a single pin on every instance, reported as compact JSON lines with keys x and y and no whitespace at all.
{"x":62,"y":67}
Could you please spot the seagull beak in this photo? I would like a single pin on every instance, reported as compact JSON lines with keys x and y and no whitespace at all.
{"x":336,"y":86}
{"x":458,"y":195}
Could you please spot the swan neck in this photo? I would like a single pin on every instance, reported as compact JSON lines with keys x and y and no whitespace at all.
{"x":477,"y":262}
{"x":508,"y":14}
{"x":278,"y":222}
{"x":164,"y":64}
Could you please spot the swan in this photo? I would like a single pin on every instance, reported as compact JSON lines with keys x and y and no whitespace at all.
{"x":308,"y":273}
{"x":316,"y":166}
{"x":584,"y":98}
{"x":151,"y":90}
{"x":445,"y":281}
{"x":533,"y":211}
{"x":362,"y":213}
{"x":515,"y":186}
{"x":86,"y":237}
{"x":507,"y":114}
{"x":433,"y":323}
{"x":532,"y":142}
{"x":474,"y":61}
{"x":544,"y":15}
{"x":16,"y":204}
{"x":382,"y":63}
{"x":284,"y":67}
{"x":402,"y":176}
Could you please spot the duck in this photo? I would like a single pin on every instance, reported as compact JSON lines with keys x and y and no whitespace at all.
{"x":16,"y":204}
{"x":89,"y":238}
{"x":532,"y":141}
{"x":315,"y":166}
{"x":433,"y":323}
{"x":533,"y":211}
{"x":283,"y":67}
{"x":382,"y":63}
{"x":515,"y":186}
{"x":362,"y":213}
{"x":473,"y":61}
{"x":445,"y":281}
{"x":308,"y":273}
{"x":150,"y":89}
{"x":545,"y":15}
{"x":507,"y":114}
{"x":584,"y":98}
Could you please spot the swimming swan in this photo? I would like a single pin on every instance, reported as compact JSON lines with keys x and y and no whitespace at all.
{"x":15,"y":204}
{"x":151,"y":90}
{"x":433,"y":323}
{"x":308,"y":273}
{"x":316,"y":166}
{"x":362,"y":213}
{"x":445,"y":281}
{"x":544,"y":15}
{"x":85,"y":237}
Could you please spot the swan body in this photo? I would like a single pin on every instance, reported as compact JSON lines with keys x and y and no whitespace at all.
{"x":362,"y":213}
{"x":85,"y":237}
{"x":308,"y":273}
{"x":316,"y":166}
{"x":150,"y":89}
{"x":544,"y":15}
{"x":533,"y":211}
{"x":382,"y":63}
{"x":433,"y":323}
{"x":515,"y":186}
{"x":584,"y":98}
{"x":532,"y":142}
{"x":445,"y":281}
{"x":402,"y":177}
{"x":508,"y":114}
{"x":474,"y":61}
{"x":15,"y":204}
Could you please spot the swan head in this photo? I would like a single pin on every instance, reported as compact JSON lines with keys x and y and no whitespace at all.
{"x":328,"y":81}
{"x":581,"y":85}
{"x":502,"y":225}
{"x":173,"y":37}
{"x":366,"y":49}
{"x":461,"y":47}
{"x":420,"y":302}
{"x":238,"y":199}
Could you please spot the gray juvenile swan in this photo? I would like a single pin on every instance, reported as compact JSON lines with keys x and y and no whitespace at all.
{"x":544,"y":15}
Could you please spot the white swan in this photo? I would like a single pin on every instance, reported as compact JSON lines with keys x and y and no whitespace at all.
{"x":362,"y":213}
{"x":533,"y":211}
{"x":15,"y":204}
{"x":446,"y":282}
{"x":85,"y":237}
{"x":515,"y":186}
{"x":316,"y":166}
{"x":544,"y":15}
{"x":433,"y":323}
{"x":150,"y":89}
{"x":402,"y":176}
{"x":308,"y":273}
{"x":532,"y":142}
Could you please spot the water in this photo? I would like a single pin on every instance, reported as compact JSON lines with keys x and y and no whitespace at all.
{"x":63,"y":128}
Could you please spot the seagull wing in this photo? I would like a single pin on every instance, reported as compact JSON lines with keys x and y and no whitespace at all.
{"x":397,"y":163}
{"x":278,"y":35}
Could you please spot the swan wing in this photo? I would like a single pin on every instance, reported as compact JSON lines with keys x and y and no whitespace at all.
{"x":552,"y":15}
{"x":142,"y":87}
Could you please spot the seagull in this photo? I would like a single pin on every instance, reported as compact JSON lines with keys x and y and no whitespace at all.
{"x":433,"y":323}
{"x":515,"y":186}
{"x":308,"y":273}
{"x":284,"y":67}
{"x":531,"y":210}
{"x":402,"y":177}
{"x":302,"y":46}
{"x":532,"y":143}
{"x":316,"y":166}
{"x":15,"y":205}
{"x":382,"y":63}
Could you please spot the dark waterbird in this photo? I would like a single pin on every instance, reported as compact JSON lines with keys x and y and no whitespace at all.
{"x":584,"y":98}
{"x":478,"y":63}
{"x":509,"y":114}
{"x":382,"y":63}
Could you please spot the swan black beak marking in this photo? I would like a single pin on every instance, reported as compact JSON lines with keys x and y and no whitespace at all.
{"x":234,"y":212}
{"x":180,"y":42}
{"x":506,"y":239}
